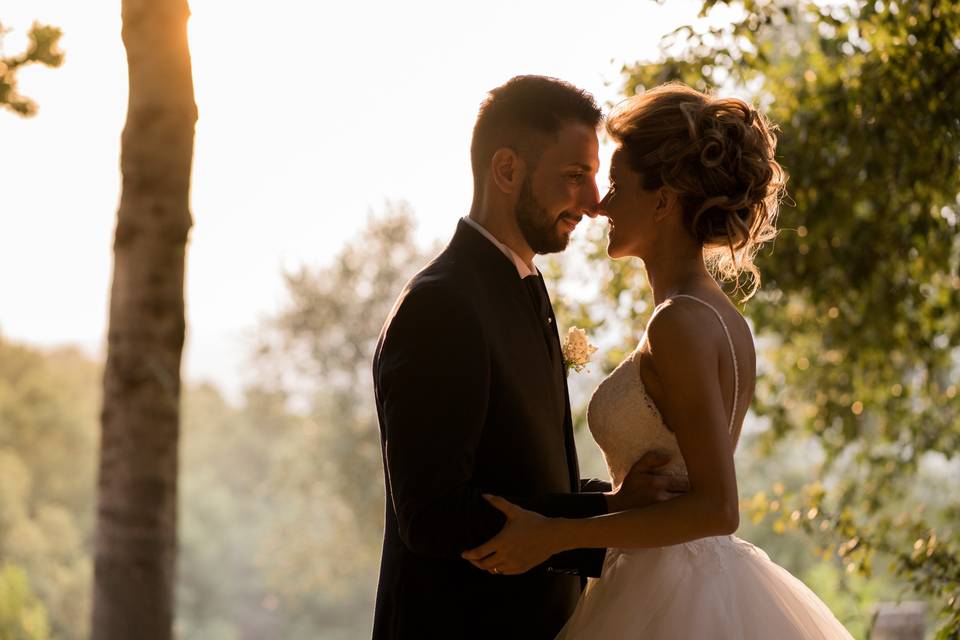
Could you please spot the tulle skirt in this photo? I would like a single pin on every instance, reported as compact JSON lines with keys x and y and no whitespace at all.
{"x":719,"y":587}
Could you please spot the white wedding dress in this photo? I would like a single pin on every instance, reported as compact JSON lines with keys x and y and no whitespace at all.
{"x":712,"y":588}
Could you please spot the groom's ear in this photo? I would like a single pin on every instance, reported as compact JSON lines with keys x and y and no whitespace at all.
{"x":507,"y":170}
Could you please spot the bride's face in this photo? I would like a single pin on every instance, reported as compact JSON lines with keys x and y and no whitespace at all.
{"x":629,"y":209}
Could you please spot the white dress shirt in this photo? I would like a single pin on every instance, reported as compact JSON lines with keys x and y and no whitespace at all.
{"x":523,"y":269}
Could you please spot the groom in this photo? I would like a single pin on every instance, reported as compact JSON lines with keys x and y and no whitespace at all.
{"x":471,"y":390}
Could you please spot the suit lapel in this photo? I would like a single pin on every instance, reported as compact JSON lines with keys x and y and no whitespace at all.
{"x":504,"y":274}
{"x":568,"y":435}
{"x":556,"y":355}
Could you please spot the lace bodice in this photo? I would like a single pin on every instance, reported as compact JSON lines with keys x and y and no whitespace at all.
{"x":626,"y":423}
{"x":711,"y":587}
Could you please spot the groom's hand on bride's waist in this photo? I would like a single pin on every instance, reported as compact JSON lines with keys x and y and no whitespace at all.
{"x":646,"y":484}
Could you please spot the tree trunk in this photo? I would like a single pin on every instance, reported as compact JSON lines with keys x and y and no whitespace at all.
{"x":135,"y":547}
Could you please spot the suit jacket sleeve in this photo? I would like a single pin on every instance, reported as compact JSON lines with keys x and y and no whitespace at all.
{"x":582,"y":562}
{"x":433,"y":381}
{"x":593,"y":485}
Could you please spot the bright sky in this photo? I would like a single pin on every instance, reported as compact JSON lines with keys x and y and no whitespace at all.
{"x":311,"y":115}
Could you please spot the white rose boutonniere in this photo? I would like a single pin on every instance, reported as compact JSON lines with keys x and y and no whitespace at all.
{"x":576,"y":349}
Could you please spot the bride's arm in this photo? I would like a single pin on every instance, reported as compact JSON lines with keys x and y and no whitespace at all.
{"x":687,"y":356}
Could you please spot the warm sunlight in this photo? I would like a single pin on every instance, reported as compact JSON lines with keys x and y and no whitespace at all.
{"x":481,"y":319}
{"x":310,"y":117}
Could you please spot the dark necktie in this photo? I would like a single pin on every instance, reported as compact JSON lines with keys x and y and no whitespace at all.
{"x":538,"y":295}
{"x":541,"y":303}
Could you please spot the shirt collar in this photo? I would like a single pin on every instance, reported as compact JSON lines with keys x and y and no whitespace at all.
{"x":523,"y":269}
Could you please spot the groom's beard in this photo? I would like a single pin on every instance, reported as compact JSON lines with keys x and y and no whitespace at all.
{"x":541,"y":233}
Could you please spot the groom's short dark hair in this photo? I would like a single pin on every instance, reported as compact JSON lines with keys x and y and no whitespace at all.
{"x":514,"y":113}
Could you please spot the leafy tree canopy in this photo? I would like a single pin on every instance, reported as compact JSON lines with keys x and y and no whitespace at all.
{"x":857,"y":318}
{"x":43,"y":48}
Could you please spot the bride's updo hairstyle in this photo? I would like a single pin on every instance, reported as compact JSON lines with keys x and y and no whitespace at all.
{"x":717,"y":156}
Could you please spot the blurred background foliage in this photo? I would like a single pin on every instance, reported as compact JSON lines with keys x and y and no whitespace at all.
{"x":281,"y":493}
{"x":847,"y":468}
{"x":43,"y":48}
{"x":857,"y":319}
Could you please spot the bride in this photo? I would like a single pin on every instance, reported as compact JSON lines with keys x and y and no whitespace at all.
{"x":694,"y":187}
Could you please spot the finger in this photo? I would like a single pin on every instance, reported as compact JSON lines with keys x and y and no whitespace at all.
{"x":506,"y":570}
{"x":487,"y":564}
{"x":678,"y":484}
{"x":483,"y":551}
{"x":482,"y":566}
{"x":486,"y":549}
{"x":502,"y":504}
{"x":474,"y":563}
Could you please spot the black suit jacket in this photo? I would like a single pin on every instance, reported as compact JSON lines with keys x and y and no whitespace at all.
{"x":471,"y":397}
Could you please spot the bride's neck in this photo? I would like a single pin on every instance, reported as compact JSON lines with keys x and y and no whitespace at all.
{"x":676,"y":271}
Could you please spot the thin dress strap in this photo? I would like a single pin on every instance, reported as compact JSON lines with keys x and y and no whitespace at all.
{"x":736,"y":369}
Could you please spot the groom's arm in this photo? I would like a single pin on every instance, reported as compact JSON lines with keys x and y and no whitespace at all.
{"x":433,"y":380}
{"x":594,"y":485}
{"x":433,"y":383}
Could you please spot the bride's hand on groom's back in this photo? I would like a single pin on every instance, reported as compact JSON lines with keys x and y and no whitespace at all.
{"x":645,"y":484}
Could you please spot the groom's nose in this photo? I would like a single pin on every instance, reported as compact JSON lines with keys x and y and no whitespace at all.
{"x":589,"y":203}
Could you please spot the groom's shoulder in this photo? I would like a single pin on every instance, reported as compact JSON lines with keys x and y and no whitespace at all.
{"x":442,"y":283}
{"x":450,"y":267}
{"x":431,"y":307}
{"x":445,"y":290}
{"x":451,"y":272}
